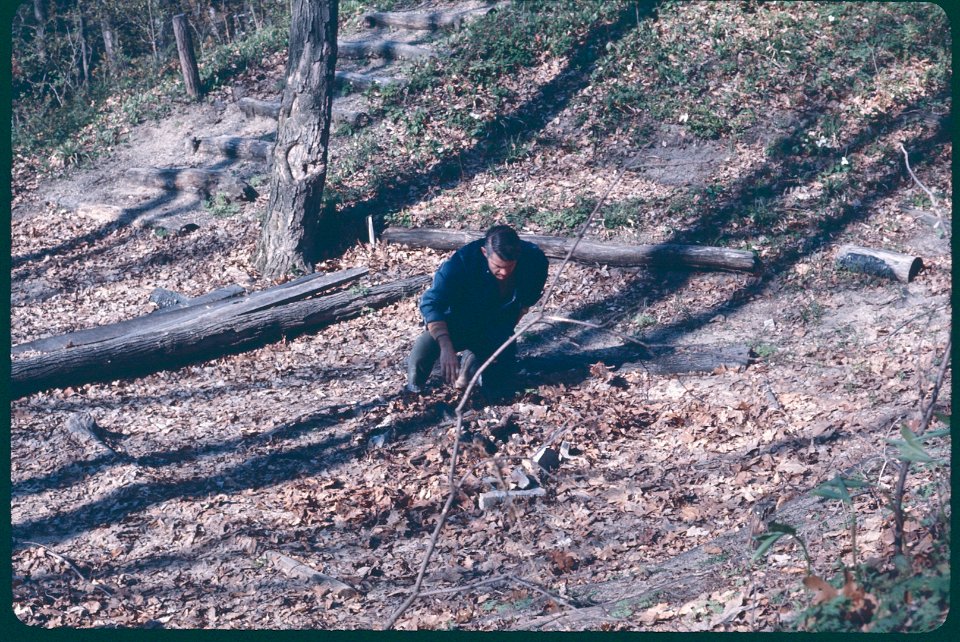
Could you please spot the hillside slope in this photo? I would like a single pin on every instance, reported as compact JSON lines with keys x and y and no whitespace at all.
{"x":738,"y":135}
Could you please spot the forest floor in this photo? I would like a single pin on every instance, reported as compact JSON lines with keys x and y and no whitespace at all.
{"x":307,"y":449}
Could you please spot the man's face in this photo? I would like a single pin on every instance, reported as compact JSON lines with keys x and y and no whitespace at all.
{"x":500,"y":269}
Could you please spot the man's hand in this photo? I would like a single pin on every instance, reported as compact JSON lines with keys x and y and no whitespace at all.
{"x":449,"y":364}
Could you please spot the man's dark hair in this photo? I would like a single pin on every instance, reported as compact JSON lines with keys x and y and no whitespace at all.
{"x":504,"y":241}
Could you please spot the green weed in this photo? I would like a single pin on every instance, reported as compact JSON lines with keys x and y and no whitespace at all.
{"x":220,"y":206}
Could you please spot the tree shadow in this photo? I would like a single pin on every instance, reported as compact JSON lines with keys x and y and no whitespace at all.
{"x":257,"y":472}
{"x":496,"y":138}
{"x":128,"y":217}
{"x":768,"y":182}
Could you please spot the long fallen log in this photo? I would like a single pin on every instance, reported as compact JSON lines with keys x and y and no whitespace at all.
{"x":233,"y":147}
{"x":666,"y":255}
{"x":214,"y":334}
{"x":253,"y":108}
{"x":389,"y":49}
{"x":207,"y":182}
{"x":305,"y":286}
{"x":425,"y":20}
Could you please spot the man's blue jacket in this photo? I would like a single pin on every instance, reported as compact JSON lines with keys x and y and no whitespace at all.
{"x":466,"y":295}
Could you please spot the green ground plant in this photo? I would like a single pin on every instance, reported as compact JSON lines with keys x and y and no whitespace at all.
{"x":913,"y":595}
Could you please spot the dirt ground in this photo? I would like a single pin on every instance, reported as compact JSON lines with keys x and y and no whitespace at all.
{"x":305,"y":447}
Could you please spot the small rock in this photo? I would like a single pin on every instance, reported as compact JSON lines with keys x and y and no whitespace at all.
{"x":547,"y":458}
{"x":520,"y":479}
{"x":495,"y":497}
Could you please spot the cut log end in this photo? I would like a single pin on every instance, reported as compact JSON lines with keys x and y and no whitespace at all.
{"x":882,"y":263}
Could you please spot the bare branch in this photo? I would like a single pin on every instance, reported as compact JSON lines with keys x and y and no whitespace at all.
{"x":933,"y":199}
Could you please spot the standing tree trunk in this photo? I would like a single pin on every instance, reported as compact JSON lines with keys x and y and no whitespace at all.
{"x":84,"y":48}
{"x":291,"y":236}
{"x":40,"y":13}
{"x":109,"y":42}
{"x":188,"y":60}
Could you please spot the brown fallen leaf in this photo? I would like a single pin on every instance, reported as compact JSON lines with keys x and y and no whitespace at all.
{"x":822,"y":590}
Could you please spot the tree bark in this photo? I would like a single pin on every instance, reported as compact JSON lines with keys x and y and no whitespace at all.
{"x":188,"y":179}
{"x":665,"y":255}
{"x":891,"y":265}
{"x":292,"y":234}
{"x":253,"y":108}
{"x":208,"y":336}
{"x":188,"y":59}
{"x":296,"y":290}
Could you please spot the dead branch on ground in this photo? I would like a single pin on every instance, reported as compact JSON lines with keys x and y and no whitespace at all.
{"x":933,"y":199}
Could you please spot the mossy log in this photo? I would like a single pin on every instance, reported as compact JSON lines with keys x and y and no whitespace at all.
{"x":657,"y":360}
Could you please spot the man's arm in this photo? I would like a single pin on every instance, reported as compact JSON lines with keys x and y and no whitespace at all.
{"x":433,"y":306}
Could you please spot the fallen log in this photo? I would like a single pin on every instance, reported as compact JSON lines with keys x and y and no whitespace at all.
{"x":219,"y":332}
{"x":891,"y":265}
{"x":207,"y":182}
{"x":658,"y":360}
{"x":233,"y":147}
{"x":305,"y":286}
{"x":389,"y":49}
{"x":664,"y":255}
{"x":425,"y":20}
{"x":365,"y":81}
{"x":168,"y":299}
{"x":304,"y":573}
{"x":253,"y":108}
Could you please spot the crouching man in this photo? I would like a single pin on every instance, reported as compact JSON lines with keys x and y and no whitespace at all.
{"x":477,"y":298}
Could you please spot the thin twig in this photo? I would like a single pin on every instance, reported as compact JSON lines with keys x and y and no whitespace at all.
{"x":454,"y":456}
{"x":59,"y":557}
{"x":549,"y":595}
{"x":933,"y":199}
{"x":465,"y":587}
{"x":71,"y":565}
